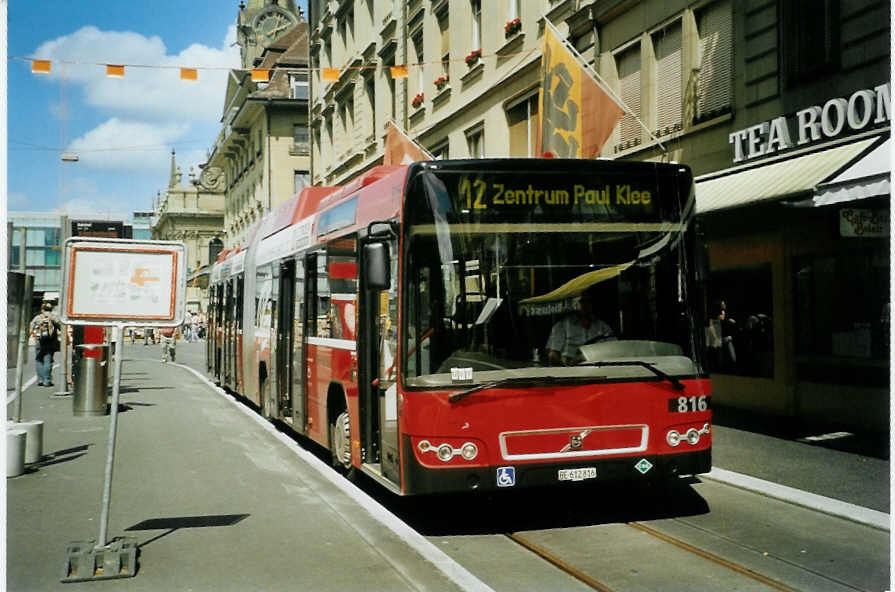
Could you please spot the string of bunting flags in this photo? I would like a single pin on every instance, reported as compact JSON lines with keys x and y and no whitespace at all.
{"x":191,"y":74}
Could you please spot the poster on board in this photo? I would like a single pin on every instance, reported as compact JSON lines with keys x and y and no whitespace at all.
{"x":115,"y":281}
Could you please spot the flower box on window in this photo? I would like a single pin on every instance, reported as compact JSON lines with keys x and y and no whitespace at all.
{"x":473,"y":58}
{"x":442,"y":81}
{"x":512,"y":27}
{"x":418,"y":100}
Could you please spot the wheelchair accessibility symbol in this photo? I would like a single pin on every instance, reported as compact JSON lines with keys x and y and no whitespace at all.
{"x":506,"y":476}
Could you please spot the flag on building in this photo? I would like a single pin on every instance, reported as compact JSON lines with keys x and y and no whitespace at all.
{"x":400,"y":149}
{"x":577,"y":114}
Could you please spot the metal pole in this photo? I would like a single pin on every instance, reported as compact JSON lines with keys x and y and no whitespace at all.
{"x":113,"y":432}
{"x":67,"y":385}
{"x":24,"y":330}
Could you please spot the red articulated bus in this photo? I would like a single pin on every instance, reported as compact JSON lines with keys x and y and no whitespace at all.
{"x":478,"y":324}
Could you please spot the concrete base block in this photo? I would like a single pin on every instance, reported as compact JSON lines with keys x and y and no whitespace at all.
{"x":15,"y":452}
{"x":34,"y":441}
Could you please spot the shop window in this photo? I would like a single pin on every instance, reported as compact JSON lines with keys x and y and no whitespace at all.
{"x":714,"y":90}
{"x":741,"y":340}
{"x":842,"y":304}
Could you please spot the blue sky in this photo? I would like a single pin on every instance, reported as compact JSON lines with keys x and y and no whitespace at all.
{"x":122,"y":129}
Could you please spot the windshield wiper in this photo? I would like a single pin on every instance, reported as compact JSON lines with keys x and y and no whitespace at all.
{"x":515,"y":381}
{"x":678,"y":385}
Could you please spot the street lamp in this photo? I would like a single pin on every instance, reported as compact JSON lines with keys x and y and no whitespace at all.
{"x":66,"y":386}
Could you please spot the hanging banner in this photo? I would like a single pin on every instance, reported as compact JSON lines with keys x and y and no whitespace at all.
{"x":113,"y":281}
{"x":577,"y":114}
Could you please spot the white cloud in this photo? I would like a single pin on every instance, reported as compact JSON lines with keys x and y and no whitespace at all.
{"x":153,"y":93}
{"x":122,"y":145}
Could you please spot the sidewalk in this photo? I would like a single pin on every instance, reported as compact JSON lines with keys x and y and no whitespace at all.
{"x":216,"y":499}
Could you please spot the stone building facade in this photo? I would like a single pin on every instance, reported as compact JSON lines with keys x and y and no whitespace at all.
{"x":782,"y":109}
{"x":261,"y":156}
{"x":194,"y":214}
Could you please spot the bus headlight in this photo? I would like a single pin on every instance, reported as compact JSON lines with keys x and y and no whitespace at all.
{"x":469,"y":451}
{"x":673,"y":438}
{"x":692,"y":436}
{"x":445,"y":452}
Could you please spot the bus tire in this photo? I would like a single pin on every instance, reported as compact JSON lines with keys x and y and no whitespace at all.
{"x":340,"y":443}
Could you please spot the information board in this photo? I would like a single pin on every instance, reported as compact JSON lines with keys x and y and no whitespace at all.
{"x":114,"y":281}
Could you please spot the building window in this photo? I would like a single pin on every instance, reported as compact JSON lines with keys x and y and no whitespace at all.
{"x":475,"y":141}
{"x":476,"y":9}
{"x":441,"y":151}
{"x":714,"y":91}
{"x":347,"y":121}
{"x":300,"y":138}
{"x":741,"y":340}
{"x":444,"y":30}
{"x":669,"y":107}
{"x":810,"y":38}
{"x":34,"y":257}
{"x":302,"y":180}
{"x":420,"y":60}
{"x":628,"y":64}
{"x":298,"y":86}
{"x":522,"y":120}
{"x":392,"y":95}
{"x":370,"y":91}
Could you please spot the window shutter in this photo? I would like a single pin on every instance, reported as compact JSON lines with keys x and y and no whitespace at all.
{"x":715,"y":88}
{"x":668,"y":79}
{"x":629,"y":86}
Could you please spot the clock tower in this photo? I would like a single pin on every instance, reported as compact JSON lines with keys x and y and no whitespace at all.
{"x":259,"y":23}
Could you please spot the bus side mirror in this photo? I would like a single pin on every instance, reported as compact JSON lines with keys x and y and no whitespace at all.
{"x":377,"y":266}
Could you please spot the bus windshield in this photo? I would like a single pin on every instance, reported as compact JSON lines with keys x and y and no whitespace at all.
{"x":529,"y":273}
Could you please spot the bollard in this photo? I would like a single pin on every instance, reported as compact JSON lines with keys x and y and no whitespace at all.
{"x":90,"y":396}
{"x":34,"y":439}
{"x":15,"y":452}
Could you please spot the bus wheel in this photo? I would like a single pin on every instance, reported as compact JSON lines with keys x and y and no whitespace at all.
{"x":340,"y":441}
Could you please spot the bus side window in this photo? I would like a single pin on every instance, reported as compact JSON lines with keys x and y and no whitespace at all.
{"x":323,"y":297}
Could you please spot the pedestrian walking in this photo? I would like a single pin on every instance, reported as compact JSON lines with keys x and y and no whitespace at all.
{"x":169,"y":336}
{"x":44,"y":329}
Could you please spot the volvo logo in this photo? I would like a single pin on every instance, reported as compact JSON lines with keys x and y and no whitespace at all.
{"x":575,"y":442}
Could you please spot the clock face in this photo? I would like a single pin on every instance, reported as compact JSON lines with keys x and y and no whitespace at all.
{"x":271,"y":24}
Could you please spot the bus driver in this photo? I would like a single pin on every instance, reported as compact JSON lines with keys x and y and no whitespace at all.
{"x":574,"y":330}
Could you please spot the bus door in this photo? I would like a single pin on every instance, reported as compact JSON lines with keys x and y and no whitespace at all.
{"x":309,"y":375}
{"x":237,"y":335}
{"x":297,"y":372}
{"x":377,"y":369}
{"x":209,"y":342}
{"x":281,"y":355}
{"x":226,"y":333}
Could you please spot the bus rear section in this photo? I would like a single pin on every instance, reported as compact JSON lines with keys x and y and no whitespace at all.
{"x":552,"y":325}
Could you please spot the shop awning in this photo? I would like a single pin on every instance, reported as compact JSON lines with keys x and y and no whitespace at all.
{"x":787,"y":177}
{"x":868,"y":177}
